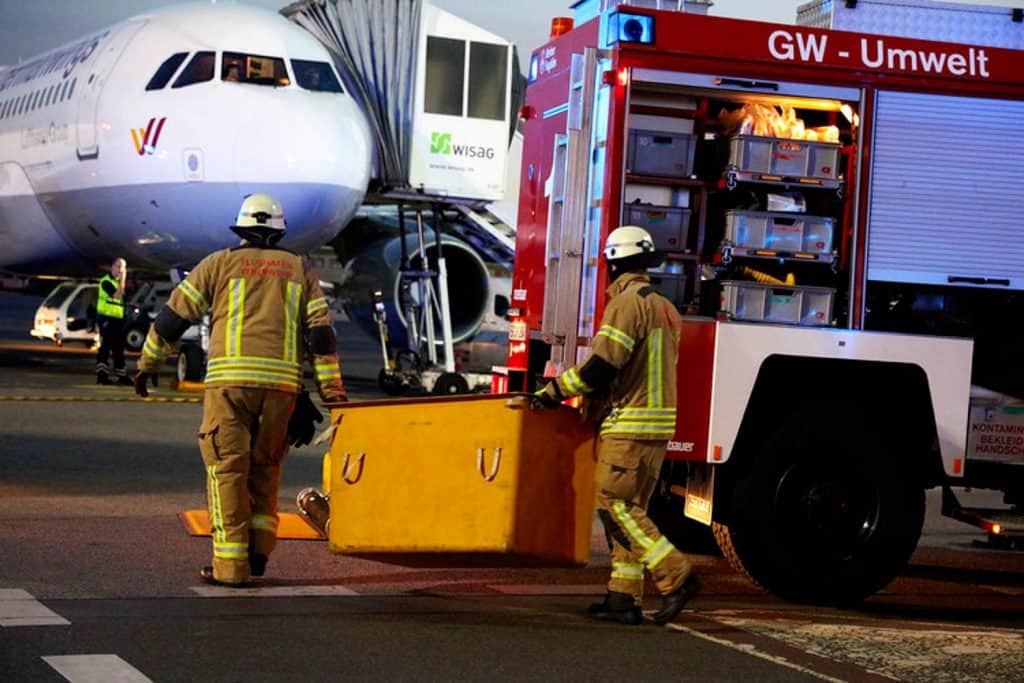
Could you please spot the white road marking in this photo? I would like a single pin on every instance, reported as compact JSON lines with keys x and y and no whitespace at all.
{"x":272,"y":591}
{"x":19,"y":608}
{"x":753,"y":652}
{"x":96,"y":669}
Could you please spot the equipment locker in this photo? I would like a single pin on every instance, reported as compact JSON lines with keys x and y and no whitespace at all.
{"x":447,"y":481}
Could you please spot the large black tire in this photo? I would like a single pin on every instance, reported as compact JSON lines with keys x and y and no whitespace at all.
{"x":191,"y":362}
{"x":824,"y":514}
{"x":450,"y":383}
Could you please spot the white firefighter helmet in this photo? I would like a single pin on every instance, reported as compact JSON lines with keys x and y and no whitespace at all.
{"x":261,"y":211}
{"x":626,"y":241}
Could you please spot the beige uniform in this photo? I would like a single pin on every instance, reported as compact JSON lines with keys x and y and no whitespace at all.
{"x":633,"y":370}
{"x":265,"y":307}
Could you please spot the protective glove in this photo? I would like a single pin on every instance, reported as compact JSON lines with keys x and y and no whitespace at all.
{"x":140,"y":380}
{"x":548,"y":397}
{"x":301,"y":425}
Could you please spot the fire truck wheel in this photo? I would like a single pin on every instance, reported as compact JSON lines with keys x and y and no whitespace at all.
{"x":191,"y":361}
{"x":824,"y":514}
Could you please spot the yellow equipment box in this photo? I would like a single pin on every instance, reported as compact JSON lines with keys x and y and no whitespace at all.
{"x":480,"y":480}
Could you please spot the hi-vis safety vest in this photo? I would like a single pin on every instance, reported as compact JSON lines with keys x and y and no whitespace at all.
{"x":636,"y":346}
{"x":263,"y":303}
{"x":106,"y":305}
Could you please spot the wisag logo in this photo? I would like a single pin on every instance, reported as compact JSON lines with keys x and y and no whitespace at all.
{"x":145,"y":139}
{"x":442,"y":143}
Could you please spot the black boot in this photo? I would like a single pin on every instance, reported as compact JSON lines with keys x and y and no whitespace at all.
{"x":618,"y":607}
{"x":103,"y":378}
{"x":257,"y":563}
{"x":206,"y":576}
{"x":124,"y":381}
{"x":675,"y":601}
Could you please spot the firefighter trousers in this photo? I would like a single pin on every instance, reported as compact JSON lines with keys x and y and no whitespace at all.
{"x":243,"y":440}
{"x":627,"y":472}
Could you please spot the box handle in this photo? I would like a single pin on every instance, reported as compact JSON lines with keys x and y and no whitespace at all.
{"x":494,"y":467}
{"x":344,"y":468}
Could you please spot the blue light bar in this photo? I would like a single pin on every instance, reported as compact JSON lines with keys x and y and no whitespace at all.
{"x":630,"y":28}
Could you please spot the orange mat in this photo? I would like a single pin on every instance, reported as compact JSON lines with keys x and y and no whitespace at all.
{"x":290,"y":526}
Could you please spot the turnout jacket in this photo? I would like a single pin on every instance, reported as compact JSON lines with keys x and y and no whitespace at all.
{"x":633,"y":362}
{"x":266,"y":312}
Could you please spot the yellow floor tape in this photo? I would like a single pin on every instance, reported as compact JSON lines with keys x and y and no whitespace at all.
{"x":290,"y":527}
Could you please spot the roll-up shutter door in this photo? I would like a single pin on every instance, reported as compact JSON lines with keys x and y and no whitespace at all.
{"x":947,"y":191}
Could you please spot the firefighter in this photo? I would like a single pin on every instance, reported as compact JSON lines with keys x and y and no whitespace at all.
{"x":629,"y":383}
{"x":265,"y":310}
{"x":110,"y":319}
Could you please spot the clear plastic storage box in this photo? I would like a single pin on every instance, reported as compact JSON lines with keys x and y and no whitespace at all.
{"x":668,"y":225}
{"x":660,"y":153}
{"x":760,"y":156}
{"x":674,"y":286}
{"x":791,"y":304}
{"x":749,"y":232}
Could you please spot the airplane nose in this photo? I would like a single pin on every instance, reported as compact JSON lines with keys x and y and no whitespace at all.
{"x":312,"y":154}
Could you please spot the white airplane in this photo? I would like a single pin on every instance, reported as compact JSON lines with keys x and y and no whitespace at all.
{"x":141,"y":141}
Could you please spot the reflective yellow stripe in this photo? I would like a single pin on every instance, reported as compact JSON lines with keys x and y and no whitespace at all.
{"x":259,"y":362}
{"x":254,"y":369}
{"x":629,"y":524}
{"x":231,"y":551}
{"x":649,"y":414}
{"x":627,"y":571}
{"x":326,"y":371}
{"x":653,"y":557}
{"x":617,"y":336}
{"x":217,"y":517}
{"x":654,"y":378}
{"x":654,"y":423}
{"x":315,"y":305}
{"x":268,"y":374}
{"x":573,"y":382}
{"x":194,"y":295}
{"x":646,"y":431}
{"x":236,"y":317}
{"x":264,"y":523}
{"x":155,"y":350}
{"x":293,"y":293}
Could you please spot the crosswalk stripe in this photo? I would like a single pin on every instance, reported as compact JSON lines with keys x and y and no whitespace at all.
{"x":19,"y":608}
{"x":272,"y":591}
{"x":96,"y":669}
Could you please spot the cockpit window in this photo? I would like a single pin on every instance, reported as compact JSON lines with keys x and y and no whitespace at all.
{"x":166,"y":70}
{"x":242,"y":68}
{"x":315,"y":76}
{"x":198,"y":70}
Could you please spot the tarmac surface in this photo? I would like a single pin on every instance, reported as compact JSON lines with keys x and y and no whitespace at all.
{"x":98,"y":576}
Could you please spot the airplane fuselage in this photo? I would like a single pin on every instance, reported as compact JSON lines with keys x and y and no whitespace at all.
{"x":141,"y":141}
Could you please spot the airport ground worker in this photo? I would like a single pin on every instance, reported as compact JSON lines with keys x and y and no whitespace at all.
{"x":633,"y":366}
{"x":266,"y":309}
{"x":110,"y":320}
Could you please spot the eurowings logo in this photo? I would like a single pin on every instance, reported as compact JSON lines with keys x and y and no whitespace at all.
{"x":440,"y":143}
{"x":145,"y":139}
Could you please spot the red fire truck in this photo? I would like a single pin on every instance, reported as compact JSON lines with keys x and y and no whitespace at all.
{"x":841,"y":218}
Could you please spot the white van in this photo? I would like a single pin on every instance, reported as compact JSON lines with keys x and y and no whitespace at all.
{"x":68,"y":313}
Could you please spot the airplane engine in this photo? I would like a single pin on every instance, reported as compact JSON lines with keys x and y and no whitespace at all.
{"x":376,"y":268}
